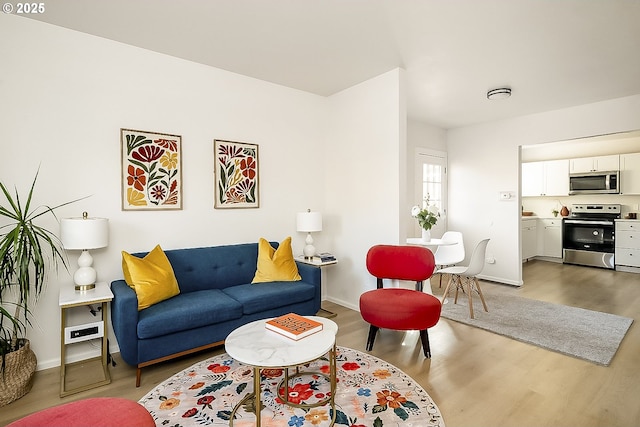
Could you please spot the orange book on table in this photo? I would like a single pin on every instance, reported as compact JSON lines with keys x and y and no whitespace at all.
{"x":293,"y":326}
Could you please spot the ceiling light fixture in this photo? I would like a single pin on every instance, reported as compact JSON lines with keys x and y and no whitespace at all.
{"x":500,"y":93}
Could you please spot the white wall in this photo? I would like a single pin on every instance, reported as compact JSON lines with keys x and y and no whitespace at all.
{"x":64,"y":96}
{"x":365,"y":147}
{"x":484,"y":160}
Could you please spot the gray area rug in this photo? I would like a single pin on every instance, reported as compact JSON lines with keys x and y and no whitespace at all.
{"x":585,"y":334}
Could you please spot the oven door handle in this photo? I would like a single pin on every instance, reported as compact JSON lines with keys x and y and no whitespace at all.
{"x":587,"y":222}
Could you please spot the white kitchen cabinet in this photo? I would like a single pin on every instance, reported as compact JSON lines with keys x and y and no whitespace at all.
{"x":551,"y":237}
{"x":595,"y":164}
{"x":546,"y":178}
{"x":532,"y":179}
{"x":630,"y":173}
{"x":627,"y":252}
{"x":529,"y":238}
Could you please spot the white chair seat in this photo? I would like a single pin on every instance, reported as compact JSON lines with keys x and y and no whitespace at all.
{"x":453,"y":270}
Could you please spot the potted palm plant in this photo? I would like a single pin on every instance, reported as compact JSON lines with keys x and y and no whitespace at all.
{"x":27,"y":252}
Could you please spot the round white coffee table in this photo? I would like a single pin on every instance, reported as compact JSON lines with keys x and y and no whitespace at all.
{"x":255,"y":345}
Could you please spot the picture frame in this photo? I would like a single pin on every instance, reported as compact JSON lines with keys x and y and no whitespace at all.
{"x":151,"y":170}
{"x":236,"y":171}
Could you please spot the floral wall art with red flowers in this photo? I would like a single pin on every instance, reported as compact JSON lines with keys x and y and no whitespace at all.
{"x":236,"y":171}
{"x":151,"y":170}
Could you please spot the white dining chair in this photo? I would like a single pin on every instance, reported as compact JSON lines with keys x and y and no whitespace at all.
{"x":464,"y":278}
{"x":449,"y":255}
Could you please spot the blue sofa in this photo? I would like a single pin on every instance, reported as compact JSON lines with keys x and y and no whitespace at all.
{"x":216,"y":296}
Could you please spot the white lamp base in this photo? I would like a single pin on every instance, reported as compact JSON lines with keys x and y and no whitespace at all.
{"x":85,"y":276}
{"x":309,"y":250}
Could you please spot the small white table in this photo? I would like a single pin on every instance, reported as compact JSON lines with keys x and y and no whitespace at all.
{"x":255,"y":345}
{"x":315,"y":261}
{"x":433,"y":243}
{"x":68,"y":299}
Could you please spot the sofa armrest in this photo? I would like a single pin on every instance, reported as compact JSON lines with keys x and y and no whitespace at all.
{"x":124,"y":320}
{"x":313,"y":275}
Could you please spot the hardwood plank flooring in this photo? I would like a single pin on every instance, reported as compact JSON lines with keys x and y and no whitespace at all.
{"x":477,"y":378}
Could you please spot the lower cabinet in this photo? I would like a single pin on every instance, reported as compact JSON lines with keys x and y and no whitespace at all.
{"x":529,"y":238}
{"x":542,"y":238}
{"x":627,"y":252}
{"x":551,"y":238}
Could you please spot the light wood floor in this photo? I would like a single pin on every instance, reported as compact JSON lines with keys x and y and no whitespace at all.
{"x":476,"y":378}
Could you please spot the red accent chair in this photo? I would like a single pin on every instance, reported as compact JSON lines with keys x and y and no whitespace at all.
{"x":398,"y":308}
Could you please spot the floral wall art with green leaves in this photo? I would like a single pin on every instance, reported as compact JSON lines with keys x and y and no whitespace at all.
{"x":151,"y":170}
{"x":236,"y":171}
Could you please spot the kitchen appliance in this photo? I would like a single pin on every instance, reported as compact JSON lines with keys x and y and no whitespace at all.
{"x":594,"y":183}
{"x":588,"y":235}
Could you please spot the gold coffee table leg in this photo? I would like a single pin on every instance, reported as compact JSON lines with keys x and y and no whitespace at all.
{"x":256,"y":390}
{"x":255,"y":396}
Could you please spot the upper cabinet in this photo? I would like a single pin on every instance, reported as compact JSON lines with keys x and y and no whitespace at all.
{"x":595,"y":164}
{"x":548,"y":178}
{"x":630,"y":173}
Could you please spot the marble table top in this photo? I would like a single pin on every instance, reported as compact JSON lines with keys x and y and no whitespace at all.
{"x":255,"y":345}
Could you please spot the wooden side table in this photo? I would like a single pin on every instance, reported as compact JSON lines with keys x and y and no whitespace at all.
{"x":318,"y":263}
{"x":70,"y":298}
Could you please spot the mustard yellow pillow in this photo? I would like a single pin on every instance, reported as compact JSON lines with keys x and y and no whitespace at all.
{"x":151,"y":277}
{"x":276,"y":265}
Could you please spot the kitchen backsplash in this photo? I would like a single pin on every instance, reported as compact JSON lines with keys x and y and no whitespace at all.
{"x":543,"y":206}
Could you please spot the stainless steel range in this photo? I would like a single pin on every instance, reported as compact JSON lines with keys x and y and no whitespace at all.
{"x":588,"y":235}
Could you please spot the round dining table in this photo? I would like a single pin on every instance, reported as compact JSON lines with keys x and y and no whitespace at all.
{"x":432,"y":244}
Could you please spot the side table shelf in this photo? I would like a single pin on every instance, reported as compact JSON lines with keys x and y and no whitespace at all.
{"x":70,"y":298}
{"x":318,"y":263}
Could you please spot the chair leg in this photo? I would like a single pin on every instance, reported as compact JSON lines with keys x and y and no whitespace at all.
{"x":373,"y":330}
{"x":424,"y":337}
{"x":468,"y":281}
{"x":458,"y":281}
{"x":446,"y":289}
{"x":475,"y":280}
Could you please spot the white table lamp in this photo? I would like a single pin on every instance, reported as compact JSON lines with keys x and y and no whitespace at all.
{"x":309,"y":222}
{"x":83,"y":234}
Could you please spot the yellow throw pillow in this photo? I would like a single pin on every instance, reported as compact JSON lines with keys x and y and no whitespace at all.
{"x":151,"y":277}
{"x":276,"y":265}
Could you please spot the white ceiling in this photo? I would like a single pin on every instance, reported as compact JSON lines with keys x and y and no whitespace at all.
{"x":552,"y":53}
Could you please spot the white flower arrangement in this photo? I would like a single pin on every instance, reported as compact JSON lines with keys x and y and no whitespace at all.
{"x":427,"y":216}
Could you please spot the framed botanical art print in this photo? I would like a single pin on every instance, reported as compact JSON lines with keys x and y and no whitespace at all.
{"x":151,"y":170}
{"x":236,"y":175}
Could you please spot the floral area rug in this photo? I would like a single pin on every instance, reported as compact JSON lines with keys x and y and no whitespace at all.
{"x":370,"y":392}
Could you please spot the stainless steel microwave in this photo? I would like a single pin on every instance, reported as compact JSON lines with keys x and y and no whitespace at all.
{"x":594,"y":183}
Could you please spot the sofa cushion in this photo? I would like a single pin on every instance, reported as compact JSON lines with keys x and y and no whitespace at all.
{"x":267,"y":296}
{"x":151,"y":277}
{"x":187,"y":311}
{"x":276,"y":265}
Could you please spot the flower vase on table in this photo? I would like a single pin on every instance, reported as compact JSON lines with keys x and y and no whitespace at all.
{"x":427,"y":216}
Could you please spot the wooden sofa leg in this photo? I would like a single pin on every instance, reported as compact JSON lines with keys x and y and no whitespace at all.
{"x":424,"y":337}
{"x":138,"y":376}
{"x":373,"y":330}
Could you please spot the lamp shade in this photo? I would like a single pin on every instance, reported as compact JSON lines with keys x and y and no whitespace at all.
{"x":309,"y":221}
{"x":84,"y":233}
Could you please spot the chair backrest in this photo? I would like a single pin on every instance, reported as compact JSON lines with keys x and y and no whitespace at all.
{"x":413,"y":263}
{"x":450,"y":254}
{"x":477,"y":259}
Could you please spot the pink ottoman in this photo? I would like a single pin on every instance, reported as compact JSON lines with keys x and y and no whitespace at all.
{"x":95,"y":412}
